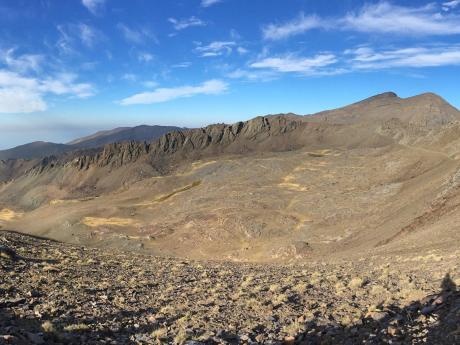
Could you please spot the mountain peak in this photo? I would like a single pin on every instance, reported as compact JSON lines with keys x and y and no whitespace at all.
{"x":430,"y":97}
{"x":382,"y":96}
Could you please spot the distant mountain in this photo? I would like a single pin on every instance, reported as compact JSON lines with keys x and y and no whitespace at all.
{"x":41,"y":149}
{"x":34,"y":150}
{"x":139,"y":133}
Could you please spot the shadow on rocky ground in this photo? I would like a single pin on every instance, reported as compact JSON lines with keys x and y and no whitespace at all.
{"x":432,"y":320}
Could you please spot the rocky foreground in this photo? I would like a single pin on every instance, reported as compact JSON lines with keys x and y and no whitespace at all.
{"x":54,"y":293}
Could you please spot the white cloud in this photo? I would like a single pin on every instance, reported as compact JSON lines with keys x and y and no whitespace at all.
{"x":242,"y":50}
{"x":210,"y":87}
{"x":65,"y":83}
{"x":181,"y":24}
{"x":381,"y":17}
{"x":253,"y":75}
{"x":297,"y":26}
{"x":412,"y":57}
{"x":94,"y":6}
{"x":71,"y":34}
{"x":184,"y":64}
{"x":22,"y":94}
{"x":88,"y":34}
{"x":129,"y":77}
{"x":216,"y":48}
{"x":17,"y":100}
{"x":450,"y":5}
{"x":292,"y":63}
{"x":145,"y":57}
{"x":207,"y":3}
{"x":384,"y":17}
{"x":136,"y":36}
{"x":150,"y":84}
{"x":21,"y":63}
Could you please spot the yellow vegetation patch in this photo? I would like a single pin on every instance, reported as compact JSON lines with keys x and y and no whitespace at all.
{"x":196,"y":166}
{"x":293,"y":186}
{"x":167,"y":196}
{"x":60,"y":202}
{"x":96,"y":221}
{"x":7,"y":214}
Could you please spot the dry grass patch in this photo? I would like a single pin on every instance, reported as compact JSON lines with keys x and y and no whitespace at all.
{"x":160,"y":333}
{"x":6,"y":214}
{"x":95,"y":222}
{"x":274,"y":288}
{"x":300,"y":288}
{"x":247,"y":281}
{"x":356,"y":282}
{"x":48,"y":327}
{"x":316,"y":278}
{"x":181,"y":337}
{"x":165,"y":197}
{"x":279,"y":300}
{"x":167,"y":310}
{"x":79,"y":327}
{"x":340,"y":288}
{"x":294,"y":328}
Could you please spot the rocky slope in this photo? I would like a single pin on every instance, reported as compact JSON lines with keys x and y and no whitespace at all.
{"x":53,"y":293}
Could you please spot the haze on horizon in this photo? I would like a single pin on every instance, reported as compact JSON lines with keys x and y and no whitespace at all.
{"x":68,"y":69}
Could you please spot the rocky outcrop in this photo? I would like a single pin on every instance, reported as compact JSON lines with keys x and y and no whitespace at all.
{"x":244,"y":136}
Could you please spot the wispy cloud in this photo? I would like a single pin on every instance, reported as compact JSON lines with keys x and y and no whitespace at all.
{"x":150,"y":84}
{"x":137,"y":35}
{"x":17,"y":100}
{"x":207,"y":3}
{"x":381,"y":18}
{"x":129,"y":77}
{"x":242,"y":50}
{"x":385,"y":17}
{"x":450,"y":5}
{"x":145,"y":57}
{"x":411,"y":57}
{"x":295,"y":64}
{"x":94,"y":6}
{"x":181,"y":24}
{"x":252,"y":75}
{"x":88,"y":34}
{"x":72,"y":34}
{"x":22,"y":94}
{"x":210,"y":87}
{"x":184,"y":64}
{"x":66,"y":83}
{"x":21,"y":63}
{"x":216,"y":48}
{"x":294,"y":27}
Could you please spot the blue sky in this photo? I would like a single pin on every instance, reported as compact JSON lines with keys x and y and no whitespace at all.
{"x":69,"y":68}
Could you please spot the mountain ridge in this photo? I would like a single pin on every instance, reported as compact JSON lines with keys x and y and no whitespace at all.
{"x":40,"y":149}
{"x":240,"y":136}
